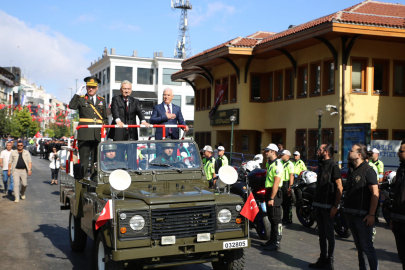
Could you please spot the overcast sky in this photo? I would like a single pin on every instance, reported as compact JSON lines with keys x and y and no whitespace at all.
{"x":53,"y":42}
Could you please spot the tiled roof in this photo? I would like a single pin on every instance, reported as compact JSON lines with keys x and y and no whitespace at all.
{"x":244,"y":42}
{"x":349,"y":17}
{"x":380,"y":8}
{"x":261,"y":34}
{"x":210,"y":50}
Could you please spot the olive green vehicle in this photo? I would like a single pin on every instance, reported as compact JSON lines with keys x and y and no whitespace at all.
{"x":164,"y":214}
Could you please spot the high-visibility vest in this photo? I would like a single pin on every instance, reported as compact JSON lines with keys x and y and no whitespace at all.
{"x":209,"y":168}
{"x":274,"y":169}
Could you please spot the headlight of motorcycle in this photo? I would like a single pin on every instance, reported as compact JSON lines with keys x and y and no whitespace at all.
{"x":137,"y":223}
{"x":224,"y":216}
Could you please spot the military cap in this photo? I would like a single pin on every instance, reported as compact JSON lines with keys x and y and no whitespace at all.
{"x":109,"y":147}
{"x":168,"y":145}
{"x":92,"y":81}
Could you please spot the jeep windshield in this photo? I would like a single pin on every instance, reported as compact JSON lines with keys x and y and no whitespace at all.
{"x":154,"y":155}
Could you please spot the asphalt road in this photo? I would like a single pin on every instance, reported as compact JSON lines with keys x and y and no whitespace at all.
{"x":34,"y":235}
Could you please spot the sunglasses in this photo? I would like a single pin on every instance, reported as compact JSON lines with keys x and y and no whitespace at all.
{"x":20,"y":145}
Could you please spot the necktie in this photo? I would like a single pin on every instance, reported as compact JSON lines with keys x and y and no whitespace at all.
{"x":91,"y":100}
{"x":168,"y":110}
{"x":126,"y":104}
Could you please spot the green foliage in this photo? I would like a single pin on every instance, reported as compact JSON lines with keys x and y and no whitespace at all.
{"x":50,"y":132}
{"x":15,"y":130}
{"x":4,"y":122}
{"x":34,"y":128}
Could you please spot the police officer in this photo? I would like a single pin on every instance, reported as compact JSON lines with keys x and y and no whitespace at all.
{"x":166,"y":157}
{"x":328,"y":192}
{"x":222,"y":160}
{"x":299,"y":165}
{"x":370,"y":162}
{"x":360,"y":204}
{"x":288,"y":181}
{"x":398,"y":208}
{"x":109,"y":162}
{"x":378,"y":163}
{"x":92,"y":111}
{"x":209,"y":166}
{"x":274,"y":181}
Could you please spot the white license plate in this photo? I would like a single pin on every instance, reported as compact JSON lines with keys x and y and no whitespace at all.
{"x":235,"y":244}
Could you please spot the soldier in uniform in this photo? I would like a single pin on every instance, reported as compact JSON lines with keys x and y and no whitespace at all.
{"x":166,"y":157}
{"x":109,"y":162}
{"x":92,"y":111}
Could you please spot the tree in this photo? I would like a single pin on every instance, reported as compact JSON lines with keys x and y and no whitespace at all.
{"x":15,"y":130}
{"x":25,"y":119}
{"x":4,"y":122}
{"x":34,"y":128}
{"x":50,"y":132}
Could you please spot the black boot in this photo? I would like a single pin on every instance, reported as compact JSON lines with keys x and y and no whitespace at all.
{"x":320,"y":263}
{"x":274,"y":246}
{"x":330,"y":263}
{"x":268,"y":243}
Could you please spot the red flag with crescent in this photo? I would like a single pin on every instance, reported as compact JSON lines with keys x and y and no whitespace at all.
{"x":105,"y":215}
{"x":250,"y":208}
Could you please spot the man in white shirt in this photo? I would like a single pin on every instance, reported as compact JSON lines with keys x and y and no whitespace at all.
{"x":4,"y":158}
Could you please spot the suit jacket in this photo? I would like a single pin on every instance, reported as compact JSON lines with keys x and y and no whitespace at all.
{"x":82,"y":104}
{"x":159,"y":117}
{"x":118,"y":110}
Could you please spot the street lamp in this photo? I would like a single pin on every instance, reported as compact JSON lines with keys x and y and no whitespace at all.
{"x":319,"y":112}
{"x":233,"y":119}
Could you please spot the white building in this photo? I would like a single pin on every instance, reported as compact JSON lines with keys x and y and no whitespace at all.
{"x":149,"y":77}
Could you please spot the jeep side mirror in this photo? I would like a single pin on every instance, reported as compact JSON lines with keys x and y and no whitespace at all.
{"x":78,"y":171}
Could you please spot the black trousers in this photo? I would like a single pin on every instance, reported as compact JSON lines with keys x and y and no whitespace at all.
{"x":87,"y":150}
{"x":44,"y":154}
{"x":287,"y":207}
{"x":274,"y":214}
{"x":54,"y":173}
{"x":398,"y":229}
{"x":326,"y":232}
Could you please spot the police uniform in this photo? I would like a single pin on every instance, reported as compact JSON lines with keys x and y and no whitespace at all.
{"x":90,"y":113}
{"x":299,"y":166}
{"x":209,"y":169}
{"x":274,"y":169}
{"x":373,"y":166}
{"x":288,"y":167}
{"x":380,"y":167}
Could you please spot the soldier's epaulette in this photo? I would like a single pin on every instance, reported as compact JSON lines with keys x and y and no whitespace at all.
{"x":100,"y":97}
{"x":82,"y":95}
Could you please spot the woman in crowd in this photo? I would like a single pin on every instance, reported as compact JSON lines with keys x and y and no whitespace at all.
{"x":54,"y":165}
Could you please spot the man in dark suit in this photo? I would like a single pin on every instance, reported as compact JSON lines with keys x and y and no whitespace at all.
{"x":167,"y":113}
{"x":92,"y":111}
{"x":124,"y":109}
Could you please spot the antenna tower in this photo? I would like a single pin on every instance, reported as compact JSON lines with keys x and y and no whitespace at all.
{"x":182,"y":48}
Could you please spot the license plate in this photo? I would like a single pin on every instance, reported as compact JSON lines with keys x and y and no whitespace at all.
{"x":235,"y":244}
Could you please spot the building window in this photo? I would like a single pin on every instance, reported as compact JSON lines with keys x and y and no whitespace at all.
{"x":381,"y":76}
{"x":145,"y":76}
{"x":197,"y":99}
{"x":233,"y":88}
{"x":379,"y":134}
{"x":327,"y":136}
{"x":225,"y":99}
{"x":122,"y":74}
{"x":176,"y":100}
{"x":167,"y":76}
{"x":189,"y":100}
{"x":359,"y":73}
{"x":157,"y":76}
{"x":108,"y":100}
{"x":278,"y":85}
{"x":203,"y":95}
{"x":99,"y":76}
{"x":255,"y":85}
{"x":302,"y":81}
{"x":398,"y":134}
{"x":208,"y":98}
{"x":108,"y":75}
{"x":270,"y":87}
{"x":289,"y":84}
{"x":315,"y":80}
{"x":104,"y":76}
{"x":312,"y":143}
{"x":399,"y":75}
{"x":202,"y":139}
{"x":328,"y":77}
{"x":301,"y":142}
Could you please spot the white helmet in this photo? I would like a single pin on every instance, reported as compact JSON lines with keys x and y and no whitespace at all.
{"x":251,"y":165}
{"x":308,"y":177}
{"x":258,"y":158}
{"x":390,"y":176}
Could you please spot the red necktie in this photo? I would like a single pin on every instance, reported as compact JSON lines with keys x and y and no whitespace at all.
{"x":126,"y":104}
{"x":168,"y":110}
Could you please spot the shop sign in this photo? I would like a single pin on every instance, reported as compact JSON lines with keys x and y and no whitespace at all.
{"x":222,"y":117}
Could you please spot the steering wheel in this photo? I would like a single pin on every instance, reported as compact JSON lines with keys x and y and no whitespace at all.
{"x":180,"y":164}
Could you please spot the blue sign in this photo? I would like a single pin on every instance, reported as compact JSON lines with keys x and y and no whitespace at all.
{"x":352,"y":134}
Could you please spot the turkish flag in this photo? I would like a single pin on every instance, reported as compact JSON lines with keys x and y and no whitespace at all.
{"x":250,"y":208}
{"x":105,"y":215}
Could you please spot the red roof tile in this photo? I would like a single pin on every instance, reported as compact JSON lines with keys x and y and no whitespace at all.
{"x":261,"y":34}
{"x":210,"y":50}
{"x":371,"y":20}
{"x":244,"y":42}
{"x":380,"y":8}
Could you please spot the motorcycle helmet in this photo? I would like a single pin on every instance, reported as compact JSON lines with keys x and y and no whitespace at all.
{"x":251,"y":165}
{"x":309,"y":177}
{"x":301,"y":175}
{"x":258,"y":158}
{"x":390,"y":176}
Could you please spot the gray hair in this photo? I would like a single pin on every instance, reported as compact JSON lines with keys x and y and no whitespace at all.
{"x":9,"y":142}
{"x":167,"y":89}
{"x":125,"y":82}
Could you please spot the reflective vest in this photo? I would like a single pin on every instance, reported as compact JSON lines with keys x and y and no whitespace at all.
{"x":288,"y":169}
{"x":380,"y":167}
{"x":373,"y":166}
{"x":204,"y":161}
{"x":274,"y":169}
{"x":299,"y":166}
{"x":209,"y":168}
{"x":224,"y":160}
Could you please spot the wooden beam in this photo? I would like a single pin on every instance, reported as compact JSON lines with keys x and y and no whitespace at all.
{"x":346,"y":50}
{"x":205,"y":77}
{"x":292,"y":60}
{"x":247,"y":66}
{"x":190,"y":83}
{"x":331,"y":49}
{"x":235,"y":67}
{"x":211,"y":78}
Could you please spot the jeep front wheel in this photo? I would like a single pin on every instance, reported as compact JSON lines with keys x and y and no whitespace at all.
{"x":232,"y":260}
{"x":102,"y":258}
{"x":77,"y":236}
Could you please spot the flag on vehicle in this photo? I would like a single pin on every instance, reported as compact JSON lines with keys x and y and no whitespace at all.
{"x":105,"y":215}
{"x":250,"y":208}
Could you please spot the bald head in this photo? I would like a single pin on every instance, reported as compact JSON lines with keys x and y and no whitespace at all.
{"x":167,"y":95}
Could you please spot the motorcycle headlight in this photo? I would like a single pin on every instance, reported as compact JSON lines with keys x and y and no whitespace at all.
{"x":137,"y":223}
{"x":224,"y":216}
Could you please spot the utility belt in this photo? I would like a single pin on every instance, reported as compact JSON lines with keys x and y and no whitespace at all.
{"x":89,"y":120}
{"x":397,"y":217}
{"x":277,"y":199}
{"x":322,"y":205}
{"x":355,"y":212}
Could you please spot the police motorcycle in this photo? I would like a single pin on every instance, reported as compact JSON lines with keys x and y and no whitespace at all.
{"x":387,"y":194}
{"x":304,"y":191}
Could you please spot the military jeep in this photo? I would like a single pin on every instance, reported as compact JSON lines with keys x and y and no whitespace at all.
{"x":166,"y":216}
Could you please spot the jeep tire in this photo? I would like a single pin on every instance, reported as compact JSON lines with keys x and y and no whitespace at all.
{"x":232,"y":260}
{"x":77,"y":236}
{"x":102,"y":256}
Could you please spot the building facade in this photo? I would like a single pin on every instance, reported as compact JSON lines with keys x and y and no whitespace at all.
{"x":149,"y":77}
{"x":351,"y":62}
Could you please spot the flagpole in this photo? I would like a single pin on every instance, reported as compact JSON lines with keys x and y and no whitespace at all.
{"x":247,"y":188}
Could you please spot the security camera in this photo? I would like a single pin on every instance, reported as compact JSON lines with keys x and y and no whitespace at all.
{"x":329,"y":107}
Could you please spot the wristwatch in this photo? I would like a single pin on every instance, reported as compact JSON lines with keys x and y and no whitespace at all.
{"x":337,"y":206}
{"x":271,"y":199}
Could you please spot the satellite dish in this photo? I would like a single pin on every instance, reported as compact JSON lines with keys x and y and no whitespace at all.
{"x":120,"y":180}
{"x":227,"y":176}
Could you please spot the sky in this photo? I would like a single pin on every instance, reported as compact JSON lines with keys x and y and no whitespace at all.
{"x":54,"y":42}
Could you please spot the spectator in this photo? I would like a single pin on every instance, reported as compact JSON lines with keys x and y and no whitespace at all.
{"x":54,"y":165}
{"x":18,"y":165}
{"x":4,"y":158}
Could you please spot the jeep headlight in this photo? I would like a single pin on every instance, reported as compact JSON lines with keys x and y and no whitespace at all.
{"x":137,"y":223}
{"x":224,"y":216}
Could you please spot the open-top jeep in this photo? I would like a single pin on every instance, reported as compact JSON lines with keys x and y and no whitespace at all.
{"x":164,"y":215}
